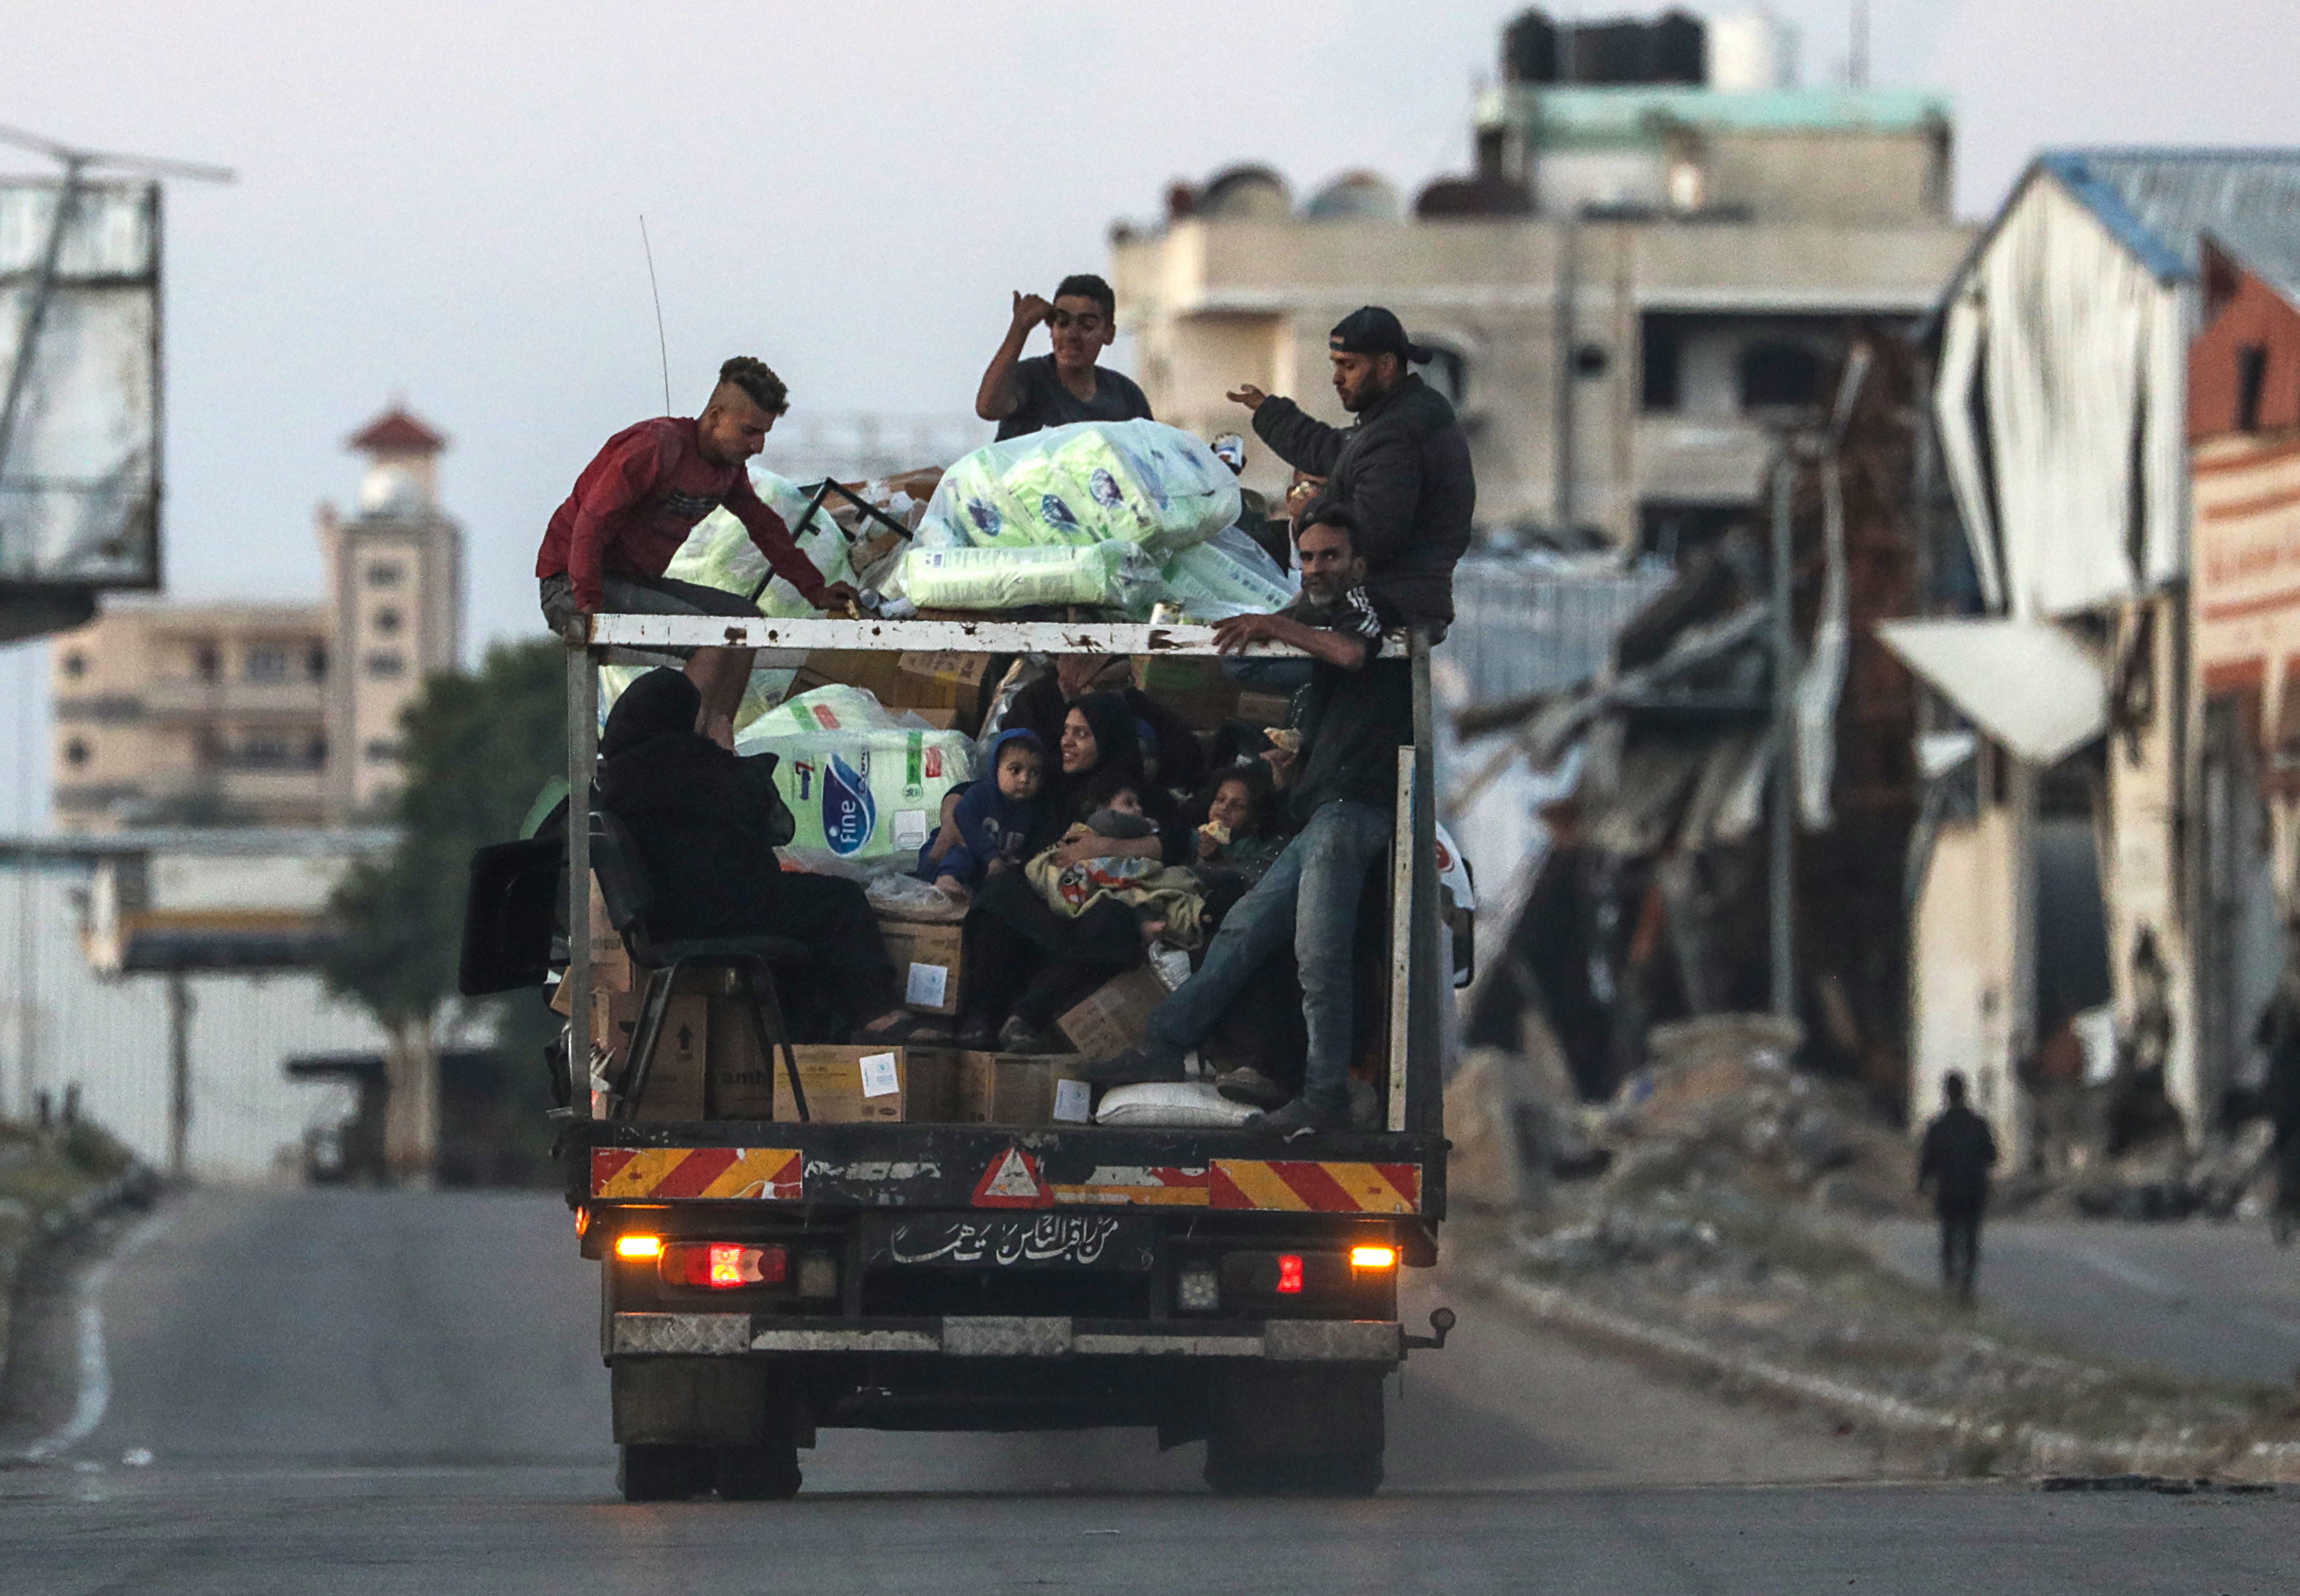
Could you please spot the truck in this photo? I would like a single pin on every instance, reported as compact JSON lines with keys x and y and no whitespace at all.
{"x":764,"y":1279}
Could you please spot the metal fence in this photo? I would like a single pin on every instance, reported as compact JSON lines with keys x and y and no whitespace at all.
{"x":1524,"y":623}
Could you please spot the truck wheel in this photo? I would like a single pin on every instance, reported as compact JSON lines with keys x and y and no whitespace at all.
{"x":1230,"y":1473}
{"x":758,"y":1473}
{"x":656,"y":1473}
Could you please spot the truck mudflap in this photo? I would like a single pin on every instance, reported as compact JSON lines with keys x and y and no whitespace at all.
{"x":735,"y":1335}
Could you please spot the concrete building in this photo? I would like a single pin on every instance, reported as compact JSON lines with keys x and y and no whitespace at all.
{"x":1641,"y":273}
{"x":274,"y":714}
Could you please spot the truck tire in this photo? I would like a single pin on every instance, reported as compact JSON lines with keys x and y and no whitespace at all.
{"x":768,"y":1472}
{"x":656,"y":1473}
{"x":1296,"y":1431}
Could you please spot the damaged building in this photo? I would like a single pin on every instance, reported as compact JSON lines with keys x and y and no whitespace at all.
{"x":2105,"y":709}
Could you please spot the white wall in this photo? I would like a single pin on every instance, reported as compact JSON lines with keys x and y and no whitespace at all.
{"x":111,"y":1040}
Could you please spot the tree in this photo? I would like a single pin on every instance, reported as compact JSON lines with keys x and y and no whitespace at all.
{"x":476,"y":749}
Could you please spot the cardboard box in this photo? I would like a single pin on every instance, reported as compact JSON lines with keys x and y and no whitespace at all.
{"x":930,"y":1084}
{"x":927,"y":965}
{"x":1022,"y":1089}
{"x":845,"y":1085}
{"x":675,"y":1080}
{"x":1195,"y":689}
{"x":1113,"y":1017}
{"x":1262,"y":708}
{"x":743,"y":1081}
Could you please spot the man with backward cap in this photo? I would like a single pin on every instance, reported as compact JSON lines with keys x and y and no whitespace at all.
{"x":1402,"y":471}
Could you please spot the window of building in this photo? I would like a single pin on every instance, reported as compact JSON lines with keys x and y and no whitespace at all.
{"x":2251,"y":376}
{"x":315,"y":661}
{"x":387,"y":620}
{"x":75,"y":664}
{"x":207,"y":661}
{"x":267,"y":662}
{"x":383,"y":662}
{"x":315,"y":753}
{"x":76,"y":753}
{"x":1774,"y":374}
{"x":266,"y":751}
{"x":1660,"y":358}
{"x":385,"y":573}
{"x":380,"y":753}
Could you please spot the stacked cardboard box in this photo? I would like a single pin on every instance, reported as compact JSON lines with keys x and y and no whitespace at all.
{"x":1113,"y":1017}
{"x":1022,"y":1089}
{"x":926,"y":962}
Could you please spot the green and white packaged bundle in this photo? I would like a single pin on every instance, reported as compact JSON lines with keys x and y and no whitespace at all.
{"x":1116,"y":574}
{"x":1226,"y":575}
{"x":1137,"y":482}
{"x":865,"y":788}
{"x":719,"y":552}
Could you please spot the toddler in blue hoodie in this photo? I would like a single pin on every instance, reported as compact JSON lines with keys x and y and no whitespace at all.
{"x":994,"y":818}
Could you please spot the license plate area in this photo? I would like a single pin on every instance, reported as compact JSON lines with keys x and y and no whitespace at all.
{"x":1011,"y":1241}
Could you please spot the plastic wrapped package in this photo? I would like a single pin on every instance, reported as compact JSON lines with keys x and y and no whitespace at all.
{"x":865,"y":790}
{"x":1092,"y":482}
{"x":1192,"y":1105}
{"x":1011,"y":578}
{"x":1228,"y":576}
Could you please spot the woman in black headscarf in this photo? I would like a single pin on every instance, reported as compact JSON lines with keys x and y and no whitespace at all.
{"x":707,"y":823}
{"x":1025,"y":963}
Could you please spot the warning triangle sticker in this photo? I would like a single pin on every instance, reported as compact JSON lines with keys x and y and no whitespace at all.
{"x":1012,"y":1181}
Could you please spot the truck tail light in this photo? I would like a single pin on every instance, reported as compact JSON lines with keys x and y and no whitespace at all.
{"x":1373,"y":1258}
{"x":1290,"y":1274}
{"x":638,"y":1246}
{"x":723,"y":1265}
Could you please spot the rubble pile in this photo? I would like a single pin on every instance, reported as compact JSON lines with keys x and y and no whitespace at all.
{"x":2232,"y":1178}
{"x":1719,"y":1110}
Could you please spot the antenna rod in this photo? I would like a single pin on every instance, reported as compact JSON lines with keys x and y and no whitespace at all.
{"x":661,"y":345}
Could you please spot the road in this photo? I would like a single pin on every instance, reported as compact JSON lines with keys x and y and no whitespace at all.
{"x":356,"y":1392}
{"x":2197,"y":1299}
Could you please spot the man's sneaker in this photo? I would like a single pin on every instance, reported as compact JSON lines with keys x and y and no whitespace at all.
{"x":1249,"y":1084}
{"x":1133,"y":1067}
{"x":1295,"y":1121}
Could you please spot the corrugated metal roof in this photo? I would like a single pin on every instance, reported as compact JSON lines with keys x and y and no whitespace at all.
{"x":2159,"y":202}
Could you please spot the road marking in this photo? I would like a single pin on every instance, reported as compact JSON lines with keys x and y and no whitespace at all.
{"x":95,"y":1395}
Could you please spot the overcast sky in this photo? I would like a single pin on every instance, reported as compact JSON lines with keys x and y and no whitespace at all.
{"x":440,"y":199}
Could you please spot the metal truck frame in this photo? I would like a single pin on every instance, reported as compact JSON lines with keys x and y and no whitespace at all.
{"x":1210,"y":1283}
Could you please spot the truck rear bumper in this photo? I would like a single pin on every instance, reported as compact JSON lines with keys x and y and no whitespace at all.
{"x":737,"y":1334}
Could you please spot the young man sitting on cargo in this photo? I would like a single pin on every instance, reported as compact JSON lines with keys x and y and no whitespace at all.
{"x":1340,"y":784}
{"x":608,"y":545}
{"x":1054,"y":390}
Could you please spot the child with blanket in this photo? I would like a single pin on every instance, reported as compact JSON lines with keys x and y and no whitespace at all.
{"x":1167,"y":899}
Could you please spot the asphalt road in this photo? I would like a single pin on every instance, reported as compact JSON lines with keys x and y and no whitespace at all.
{"x":351,"y":1393}
{"x":2197,"y":1299}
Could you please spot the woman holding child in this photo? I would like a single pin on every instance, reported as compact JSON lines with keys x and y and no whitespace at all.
{"x":1027,"y":960}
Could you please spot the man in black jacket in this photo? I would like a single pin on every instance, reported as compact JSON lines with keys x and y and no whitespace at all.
{"x":1958,"y":1152}
{"x":1402,"y":471}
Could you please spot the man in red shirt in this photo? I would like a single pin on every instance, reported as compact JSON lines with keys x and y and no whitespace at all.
{"x":608,"y":545}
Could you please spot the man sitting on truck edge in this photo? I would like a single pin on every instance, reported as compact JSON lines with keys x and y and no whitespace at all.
{"x":608,"y":545}
{"x":1054,"y":390}
{"x":1341,"y":783}
{"x":1403,"y":471}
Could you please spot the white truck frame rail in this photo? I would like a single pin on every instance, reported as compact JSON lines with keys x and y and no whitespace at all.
{"x":1419,"y":984}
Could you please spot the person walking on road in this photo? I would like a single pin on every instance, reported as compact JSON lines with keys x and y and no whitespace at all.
{"x":2279,"y":1036}
{"x":1958,"y":1152}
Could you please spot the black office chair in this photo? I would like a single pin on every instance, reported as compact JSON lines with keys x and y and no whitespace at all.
{"x":622,"y":874}
{"x":511,"y":912}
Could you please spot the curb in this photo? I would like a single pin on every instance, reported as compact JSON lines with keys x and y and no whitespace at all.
{"x":139,"y":1183}
{"x":2021,"y":1448}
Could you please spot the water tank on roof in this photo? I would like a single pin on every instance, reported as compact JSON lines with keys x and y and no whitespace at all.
{"x":1750,"y":52}
{"x":1615,"y":52}
{"x":1246,"y":193}
{"x":1355,"y":197}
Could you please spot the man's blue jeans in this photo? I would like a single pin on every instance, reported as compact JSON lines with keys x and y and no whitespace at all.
{"x":1311,"y":896}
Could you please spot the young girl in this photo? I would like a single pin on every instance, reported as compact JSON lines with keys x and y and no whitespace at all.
{"x":1239,"y":839}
